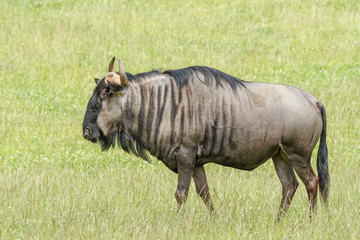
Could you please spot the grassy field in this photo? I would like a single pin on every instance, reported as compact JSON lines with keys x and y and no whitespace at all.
{"x":56,"y":185}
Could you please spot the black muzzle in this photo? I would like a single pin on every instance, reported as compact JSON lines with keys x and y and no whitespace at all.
{"x":91,"y":132}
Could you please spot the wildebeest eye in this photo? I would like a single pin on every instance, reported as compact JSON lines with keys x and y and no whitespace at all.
{"x":106,"y":90}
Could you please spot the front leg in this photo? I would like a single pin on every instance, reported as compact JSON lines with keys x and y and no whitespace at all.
{"x":185,"y":166}
{"x":202,"y":187}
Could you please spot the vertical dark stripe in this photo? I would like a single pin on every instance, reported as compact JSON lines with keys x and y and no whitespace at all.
{"x":231,"y":115}
{"x":162,"y":95}
{"x":174,"y":107}
{"x":182,"y":123}
{"x":231,"y":135}
{"x":214,"y":135}
{"x":190,"y":104}
{"x":141,"y":113}
{"x":206,"y":134}
{"x":180,"y":92}
{"x":224,"y":112}
{"x":150,"y":115}
{"x":207,"y":139}
{"x":200,"y":113}
{"x":222,"y":142}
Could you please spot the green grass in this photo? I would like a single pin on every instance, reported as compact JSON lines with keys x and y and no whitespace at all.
{"x":55,"y":185}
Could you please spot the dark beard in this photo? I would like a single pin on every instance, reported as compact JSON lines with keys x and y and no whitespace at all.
{"x":107,"y":141}
{"x":126,"y":141}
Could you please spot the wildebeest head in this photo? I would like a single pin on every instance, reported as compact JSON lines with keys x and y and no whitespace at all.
{"x":101,"y":114}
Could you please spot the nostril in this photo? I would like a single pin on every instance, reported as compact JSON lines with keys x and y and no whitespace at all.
{"x":86,"y":133}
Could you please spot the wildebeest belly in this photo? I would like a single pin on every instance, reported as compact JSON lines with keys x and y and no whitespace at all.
{"x":244,"y":157}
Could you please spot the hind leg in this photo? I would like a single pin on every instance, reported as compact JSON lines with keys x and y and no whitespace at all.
{"x":309,"y":178}
{"x":288,"y":181}
{"x":302,"y":166}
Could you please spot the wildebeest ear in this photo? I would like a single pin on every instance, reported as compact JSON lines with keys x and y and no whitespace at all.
{"x":111,"y":65}
{"x":97,"y":81}
{"x":123,"y":77}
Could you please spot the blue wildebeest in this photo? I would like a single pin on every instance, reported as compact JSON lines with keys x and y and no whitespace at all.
{"x":196,"y":115}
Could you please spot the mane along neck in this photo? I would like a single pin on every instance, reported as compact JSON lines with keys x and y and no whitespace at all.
{"x":141,"y":114}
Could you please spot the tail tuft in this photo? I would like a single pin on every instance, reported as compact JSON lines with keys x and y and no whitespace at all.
{"x":322,"y":161}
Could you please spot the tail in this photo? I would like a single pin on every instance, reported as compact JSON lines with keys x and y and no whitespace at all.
{"x":322,"y":160}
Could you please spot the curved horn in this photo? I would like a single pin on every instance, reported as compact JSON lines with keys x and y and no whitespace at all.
{"x":111,"y":65}
{"x":123,"y":77}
